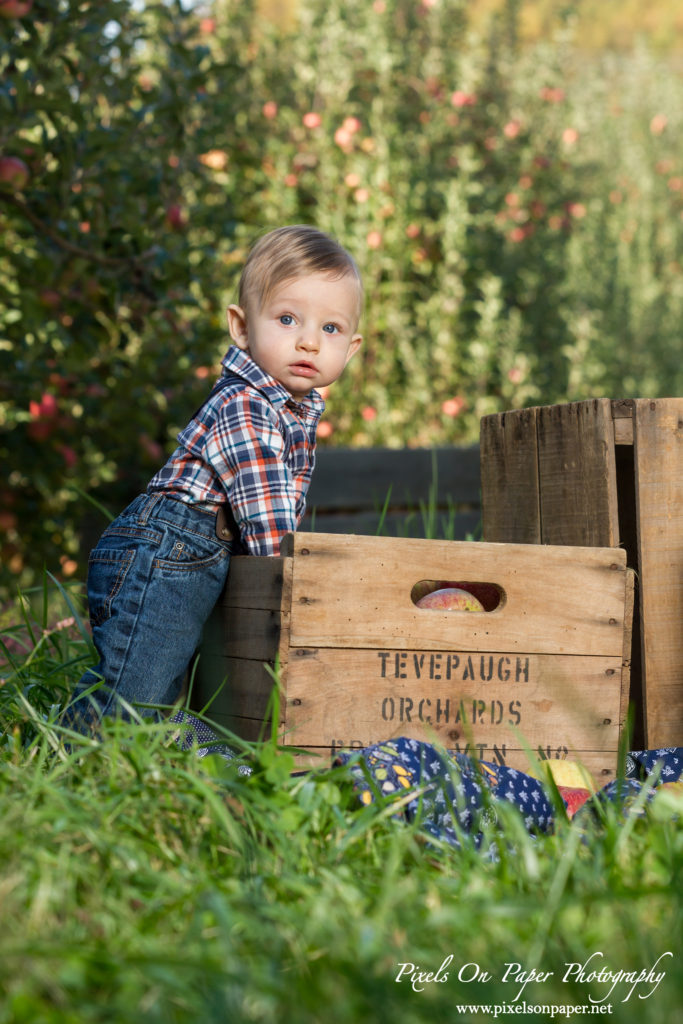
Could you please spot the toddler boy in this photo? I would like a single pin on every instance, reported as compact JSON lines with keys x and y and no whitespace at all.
{"x":237,"y":480}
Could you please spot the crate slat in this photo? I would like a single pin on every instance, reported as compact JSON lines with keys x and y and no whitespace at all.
{"x":499,"y":697}
{"x":659,"y":489}
{"x":361,"y":478}
{"x":563,"y":600}
{"x":577,"y":474}
{"x":509,"y":476}
{"x":257,"y":583}
{"x":248,"y":700}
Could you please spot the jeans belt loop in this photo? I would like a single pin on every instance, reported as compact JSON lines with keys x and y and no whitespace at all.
{"x":149,"y":506}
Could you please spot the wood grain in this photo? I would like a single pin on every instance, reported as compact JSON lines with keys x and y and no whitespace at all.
{"x":454,"y":697}
{"x":509,"y":478}
{"x":355,"y":592}
{"x":577,"y":474}
{"x":361,"y":478}
{"x":622,"y":417}
{"x":659,"y":496}
{"x":255,"y":583}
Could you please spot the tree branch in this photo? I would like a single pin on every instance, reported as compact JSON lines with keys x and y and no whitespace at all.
{"x":71,"y":247}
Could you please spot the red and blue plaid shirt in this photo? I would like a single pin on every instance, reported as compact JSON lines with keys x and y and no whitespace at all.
{"x":251,"y":444}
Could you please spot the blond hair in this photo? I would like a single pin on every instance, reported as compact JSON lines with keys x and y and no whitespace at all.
{"x":290,"y":252}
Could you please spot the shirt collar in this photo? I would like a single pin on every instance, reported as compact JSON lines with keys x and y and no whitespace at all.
{"x":237,"y":361}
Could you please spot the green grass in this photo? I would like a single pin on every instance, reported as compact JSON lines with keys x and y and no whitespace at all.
{"x":142,"y":883}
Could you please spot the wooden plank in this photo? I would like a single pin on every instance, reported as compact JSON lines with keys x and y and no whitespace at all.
{"x":627,"y":695}
{"x":447,"y":524}
{"x":658,"y":446}
{"x":247,"y":619}
{"x":577,"y":474}
{"x":249,"y":633}
{"x":448,"y":698}
{"x":240,"y":638}
{"x":509,"y":478}
{"x":237,"y":687}
{"x":361,"y":478}
{"x":355,"y":592}
{"x":255,"y":583}
{"x":622,"y":417}
{"x":250,"y":729}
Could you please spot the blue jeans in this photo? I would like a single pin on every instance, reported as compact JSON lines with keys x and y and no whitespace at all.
{"x":153,"y":579}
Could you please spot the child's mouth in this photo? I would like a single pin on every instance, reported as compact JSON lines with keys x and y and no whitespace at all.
{"x":304,"y":369}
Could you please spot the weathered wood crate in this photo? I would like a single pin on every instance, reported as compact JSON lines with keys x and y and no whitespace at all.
{"x":360,"y":663}
{"x":398,"y":492}
{"x":606,"y":473}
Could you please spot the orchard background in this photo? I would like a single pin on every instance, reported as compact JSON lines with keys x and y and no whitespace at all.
{"x":509,"y":179}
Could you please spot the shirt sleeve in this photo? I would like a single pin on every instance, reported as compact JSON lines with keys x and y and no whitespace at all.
{"x":247,"y":451}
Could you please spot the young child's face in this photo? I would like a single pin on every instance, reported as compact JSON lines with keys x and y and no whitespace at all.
{"x":305,"y":333}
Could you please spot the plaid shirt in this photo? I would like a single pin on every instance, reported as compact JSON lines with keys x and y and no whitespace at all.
{"x":251,"y":444}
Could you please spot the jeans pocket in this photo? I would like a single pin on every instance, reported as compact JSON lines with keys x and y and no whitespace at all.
{"x":107,"y":571}
{"x":184,"y":551}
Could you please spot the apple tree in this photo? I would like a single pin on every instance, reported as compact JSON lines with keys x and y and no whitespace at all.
{"x":515,"y":211}
{"x":117,"y":226}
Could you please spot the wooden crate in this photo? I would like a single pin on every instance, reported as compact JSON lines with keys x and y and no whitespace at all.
{"x":398,"y":492}
{"x":360,"y":663}
{"x":604,"y":473}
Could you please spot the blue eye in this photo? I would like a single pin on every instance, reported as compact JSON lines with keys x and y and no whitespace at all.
{"x":286,"y":319}
{"x":330,"y":328}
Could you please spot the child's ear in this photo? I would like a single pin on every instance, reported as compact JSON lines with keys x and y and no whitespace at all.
{"x":237,"y":325}
{"x":356,"y":342}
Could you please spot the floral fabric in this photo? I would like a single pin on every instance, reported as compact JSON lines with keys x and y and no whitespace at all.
{"x":455,"y":795}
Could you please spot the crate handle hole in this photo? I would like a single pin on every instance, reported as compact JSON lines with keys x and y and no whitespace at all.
{"x":489,"y":595}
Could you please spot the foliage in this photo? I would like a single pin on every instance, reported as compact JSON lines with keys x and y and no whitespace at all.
{"x":611,"y":24}
{"x":109,"y":309}
{"x":516,"y":213}
{"x":142,"y":884}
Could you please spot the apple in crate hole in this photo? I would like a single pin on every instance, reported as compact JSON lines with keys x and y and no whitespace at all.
{"x":487,"y":594}
{"x":450,"y":599}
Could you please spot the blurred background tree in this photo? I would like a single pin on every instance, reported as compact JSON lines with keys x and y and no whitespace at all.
{"x":508,"y":174}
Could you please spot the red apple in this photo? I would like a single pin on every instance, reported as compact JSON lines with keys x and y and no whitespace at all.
{"x":451,"y":599}
{"x":15,"y":8}
{"x":50,"y":298}
{"x":487,"y":593}
{"x":13,"y":172}
{"x":176,"y":218}
{"x":8,"y":520}
{"x":573,"y":798}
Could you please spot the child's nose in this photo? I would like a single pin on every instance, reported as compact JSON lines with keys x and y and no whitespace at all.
{"x":308,"y":338}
